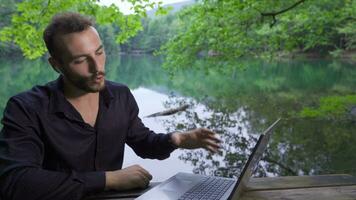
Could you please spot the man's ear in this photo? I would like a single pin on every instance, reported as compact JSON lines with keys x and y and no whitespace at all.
{"x":55,"y":64}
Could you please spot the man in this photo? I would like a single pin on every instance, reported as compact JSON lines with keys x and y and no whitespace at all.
{"x":66,"y":139}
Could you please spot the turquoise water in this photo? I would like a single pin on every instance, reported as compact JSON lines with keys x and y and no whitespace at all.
{"x":237,"y":104}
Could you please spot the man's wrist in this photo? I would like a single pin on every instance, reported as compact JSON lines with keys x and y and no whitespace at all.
{"x":174,"y":139}
{"x":109,"y":180}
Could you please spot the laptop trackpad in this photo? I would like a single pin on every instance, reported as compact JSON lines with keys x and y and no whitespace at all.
{"x":172,"y":188}
{"x":177,"y":184}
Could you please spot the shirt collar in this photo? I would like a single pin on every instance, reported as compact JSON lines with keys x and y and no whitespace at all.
{"x":58,"y":103}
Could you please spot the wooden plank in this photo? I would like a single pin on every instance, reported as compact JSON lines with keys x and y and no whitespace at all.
{"x":322,"y":193}
{"x":290,"y":182}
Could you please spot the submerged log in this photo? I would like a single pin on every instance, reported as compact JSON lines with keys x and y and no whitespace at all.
{"x":170,"y":111}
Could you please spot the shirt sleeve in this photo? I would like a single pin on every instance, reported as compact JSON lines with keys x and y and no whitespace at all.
{"x":142,"y":140}
{"x":21,"y":156}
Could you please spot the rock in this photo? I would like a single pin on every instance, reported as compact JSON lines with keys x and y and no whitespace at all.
{"x":352,"y":114}
{"x":353,"y":111}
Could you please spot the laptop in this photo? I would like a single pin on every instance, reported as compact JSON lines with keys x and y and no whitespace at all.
{"x":113,"y":194}
{"x":184,"y":186}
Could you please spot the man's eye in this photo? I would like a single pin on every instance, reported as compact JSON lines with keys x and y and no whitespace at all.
{"x":99,"y":52}
{"x":79,"y":61}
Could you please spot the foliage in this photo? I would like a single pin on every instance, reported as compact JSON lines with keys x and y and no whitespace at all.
{"x":331,"y":107}
{"x":31,"y":17}
{"x":7,"y":7}
{"x":217,"y":31}
{"x":107,"y":35}
{"x":156,"y":32}
{"x":222,"y":31}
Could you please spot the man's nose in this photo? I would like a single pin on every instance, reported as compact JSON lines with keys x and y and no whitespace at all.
{"x":96,"y":65}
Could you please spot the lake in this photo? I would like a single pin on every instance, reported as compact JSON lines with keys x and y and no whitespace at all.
{"x":315,"y":98}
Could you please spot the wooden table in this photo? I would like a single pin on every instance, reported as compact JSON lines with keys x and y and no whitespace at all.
{"x":325,"y":187}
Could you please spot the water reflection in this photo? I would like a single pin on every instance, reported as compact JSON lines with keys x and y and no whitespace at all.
{"x":238,"y":105}
{"x":316,"y":146}
{"x":298,"y":147}
{"x":231,"y":128}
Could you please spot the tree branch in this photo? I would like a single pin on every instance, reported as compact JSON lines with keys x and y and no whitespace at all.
{"x":270,"y":160}
{"x":46,"y":8}
{"x":274,"y":14}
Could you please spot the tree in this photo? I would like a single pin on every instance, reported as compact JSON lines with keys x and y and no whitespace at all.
{"x":30,"y":18}
{"x":156,"y":31}
{"x":223,"y":30}
{"x":7,"y":7}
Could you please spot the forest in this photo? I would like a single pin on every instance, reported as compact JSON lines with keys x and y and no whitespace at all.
{"x":215,"y":30}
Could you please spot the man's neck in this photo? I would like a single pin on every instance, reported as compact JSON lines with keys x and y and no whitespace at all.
{"x":86,"y":103}
{"x":75,"y":94}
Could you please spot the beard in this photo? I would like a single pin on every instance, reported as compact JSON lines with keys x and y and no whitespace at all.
{"x":87,"y":84}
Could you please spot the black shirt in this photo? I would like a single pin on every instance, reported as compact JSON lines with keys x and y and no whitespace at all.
{"x":47,"y":151}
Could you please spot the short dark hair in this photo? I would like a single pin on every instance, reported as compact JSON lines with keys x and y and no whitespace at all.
{"x":64,"y":23}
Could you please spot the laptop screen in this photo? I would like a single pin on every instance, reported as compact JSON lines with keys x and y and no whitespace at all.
{"x":252,"y":162}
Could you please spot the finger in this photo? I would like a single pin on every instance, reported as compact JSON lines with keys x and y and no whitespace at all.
{"x":149,"y":176}
{"x":206,"y":131}
{"x":211,"y":149}
{"x":145,"y":173}
{"x":142,"y":171}
{"x":209,"y":134}
{"x":212,"y":143}
{"x":147,"y":181}
{"x":144,"y":181}
{"x":216,"y":139}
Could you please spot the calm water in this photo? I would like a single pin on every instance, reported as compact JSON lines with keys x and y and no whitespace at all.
{"x":238,"y":105}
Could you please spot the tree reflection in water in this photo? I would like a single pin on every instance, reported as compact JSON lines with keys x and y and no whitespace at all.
{"x":232,"y":129}
{"x":298,"y":146}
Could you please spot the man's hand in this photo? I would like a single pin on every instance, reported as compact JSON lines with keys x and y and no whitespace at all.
{"x":128,"y":178}
{"x":197,"y":138}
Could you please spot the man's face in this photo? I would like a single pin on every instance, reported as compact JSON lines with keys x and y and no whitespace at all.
{"x":82,"y":59}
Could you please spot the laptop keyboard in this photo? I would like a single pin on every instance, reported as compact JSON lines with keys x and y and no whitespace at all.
{"x":209,"y":189}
